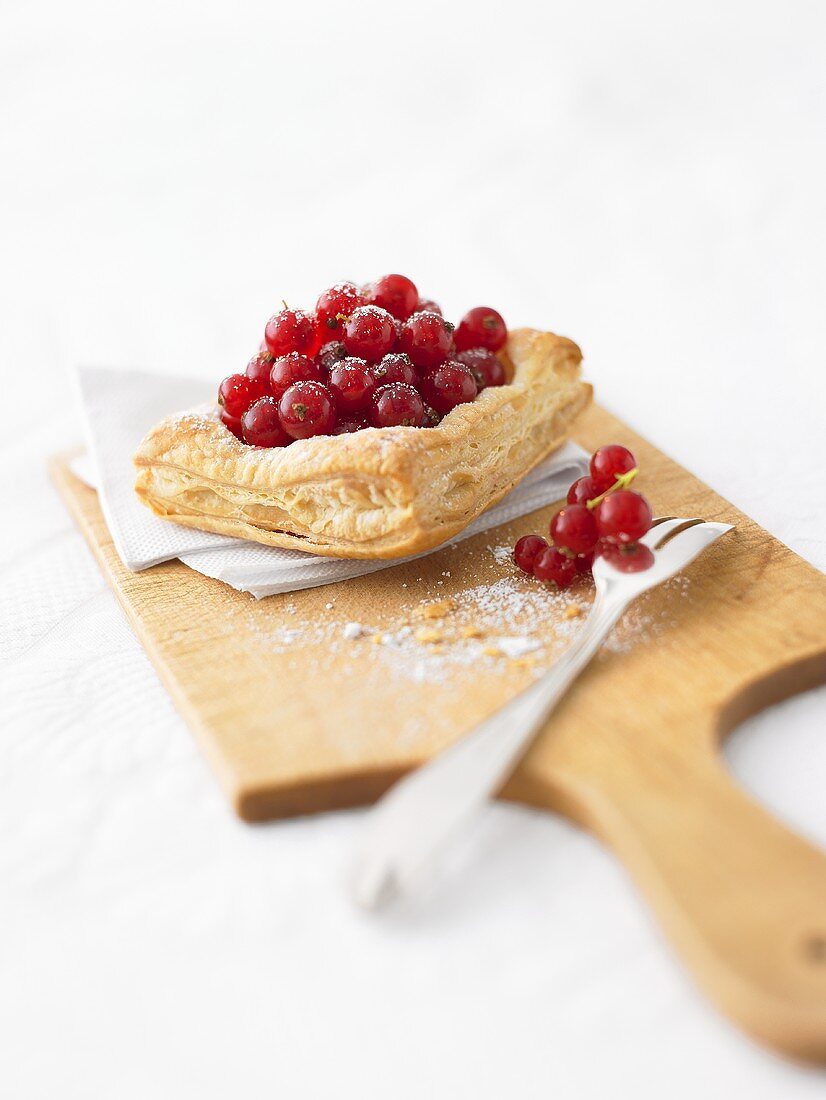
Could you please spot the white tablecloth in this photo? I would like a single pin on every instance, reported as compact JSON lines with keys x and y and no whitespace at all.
{"x":646,"y":178}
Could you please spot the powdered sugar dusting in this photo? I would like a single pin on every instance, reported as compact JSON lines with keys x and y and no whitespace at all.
{"x":199,"y":418}
{"x":510,"y":627}
{"x":511,"y":621}
{"x":517,"y":647}
{"x":494,"y":637}
{"x":376,"y":312}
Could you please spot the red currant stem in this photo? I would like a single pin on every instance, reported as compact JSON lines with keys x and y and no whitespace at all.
{"x":622,"y":481}
{"x":284,"y":303}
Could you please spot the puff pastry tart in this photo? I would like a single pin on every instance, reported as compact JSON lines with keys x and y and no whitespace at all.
{"x":379,"y":492}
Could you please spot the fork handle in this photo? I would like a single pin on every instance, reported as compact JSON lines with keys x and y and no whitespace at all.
{"x":420,"y":813}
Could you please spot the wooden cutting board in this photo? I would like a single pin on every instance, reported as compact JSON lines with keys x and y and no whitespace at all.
{"x":295,"y":717}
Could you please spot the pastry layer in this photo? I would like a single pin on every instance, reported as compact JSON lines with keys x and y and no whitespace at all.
{"x":376,"y":493}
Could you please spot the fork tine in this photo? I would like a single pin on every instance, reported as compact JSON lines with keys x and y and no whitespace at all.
{"x":661,"y":527}
{"x":667,"y":536}
{"x":691,"y":540}
{"x":675,"y":543}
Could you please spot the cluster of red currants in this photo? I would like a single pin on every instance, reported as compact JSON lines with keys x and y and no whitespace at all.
{"x":602,"y":516}
{"x":379,"y":356}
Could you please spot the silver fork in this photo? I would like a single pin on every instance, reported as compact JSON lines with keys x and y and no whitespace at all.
{"x":413,"y":820}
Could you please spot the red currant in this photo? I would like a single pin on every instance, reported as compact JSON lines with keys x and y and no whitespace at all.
{"x":553,"y":565}
{"x":447,"y":386}
{"x":261,"y":426}
{"x":346,"y":427}
{"x":396,"y":367}
{"x":583,"y":490}
{"x":585,"y":562}
{"x":574,"y":528}
{"x":527,"y":550}
{"x":427,"y":339}
{"x":608,"y":463}
{"x":337,"y":302}
{"x":481,"y":327}
{"x":352,"y":385}
{"x":629,"y":558}
{"x":397,"y":405}
{"x":292,"y":330}
{"x":369,"y":333}
{"x":237,"y":393}
{"x":331,"y":353}
{"x":292,"y":368}
{"x":395,"y":293}
{"x":624,"y":516}
{"x":231,"y":423}
{"x":306,"y":409}
{"x":258,"y":369}
{"x":427,"y":305}
{"x":484,"y":365}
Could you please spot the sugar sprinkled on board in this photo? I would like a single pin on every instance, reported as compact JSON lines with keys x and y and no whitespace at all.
{"x":517,"y":647}
{"x":502,"y":555}
{"x":505,"y":628}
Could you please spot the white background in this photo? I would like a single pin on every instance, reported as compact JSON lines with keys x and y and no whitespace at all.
{"x":647,"y":178}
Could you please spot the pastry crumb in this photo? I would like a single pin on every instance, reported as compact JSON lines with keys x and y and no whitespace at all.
{"x":438,"y":609}
{"x":572,"y":612}
{"x":472,"y":632}
{"x":426,"y":634}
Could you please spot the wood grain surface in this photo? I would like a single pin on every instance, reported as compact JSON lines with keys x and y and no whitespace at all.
{"x":295,"y":718}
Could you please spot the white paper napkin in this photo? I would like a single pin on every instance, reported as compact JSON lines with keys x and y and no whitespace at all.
{"x":121,"y":406}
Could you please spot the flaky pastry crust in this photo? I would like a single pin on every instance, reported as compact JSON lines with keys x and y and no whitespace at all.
{"x":376,"y":493}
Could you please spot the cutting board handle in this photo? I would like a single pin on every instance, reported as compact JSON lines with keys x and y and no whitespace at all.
{"x":742,"y":897}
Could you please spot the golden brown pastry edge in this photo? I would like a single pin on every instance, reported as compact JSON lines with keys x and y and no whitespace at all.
{"x":379,"y":493}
